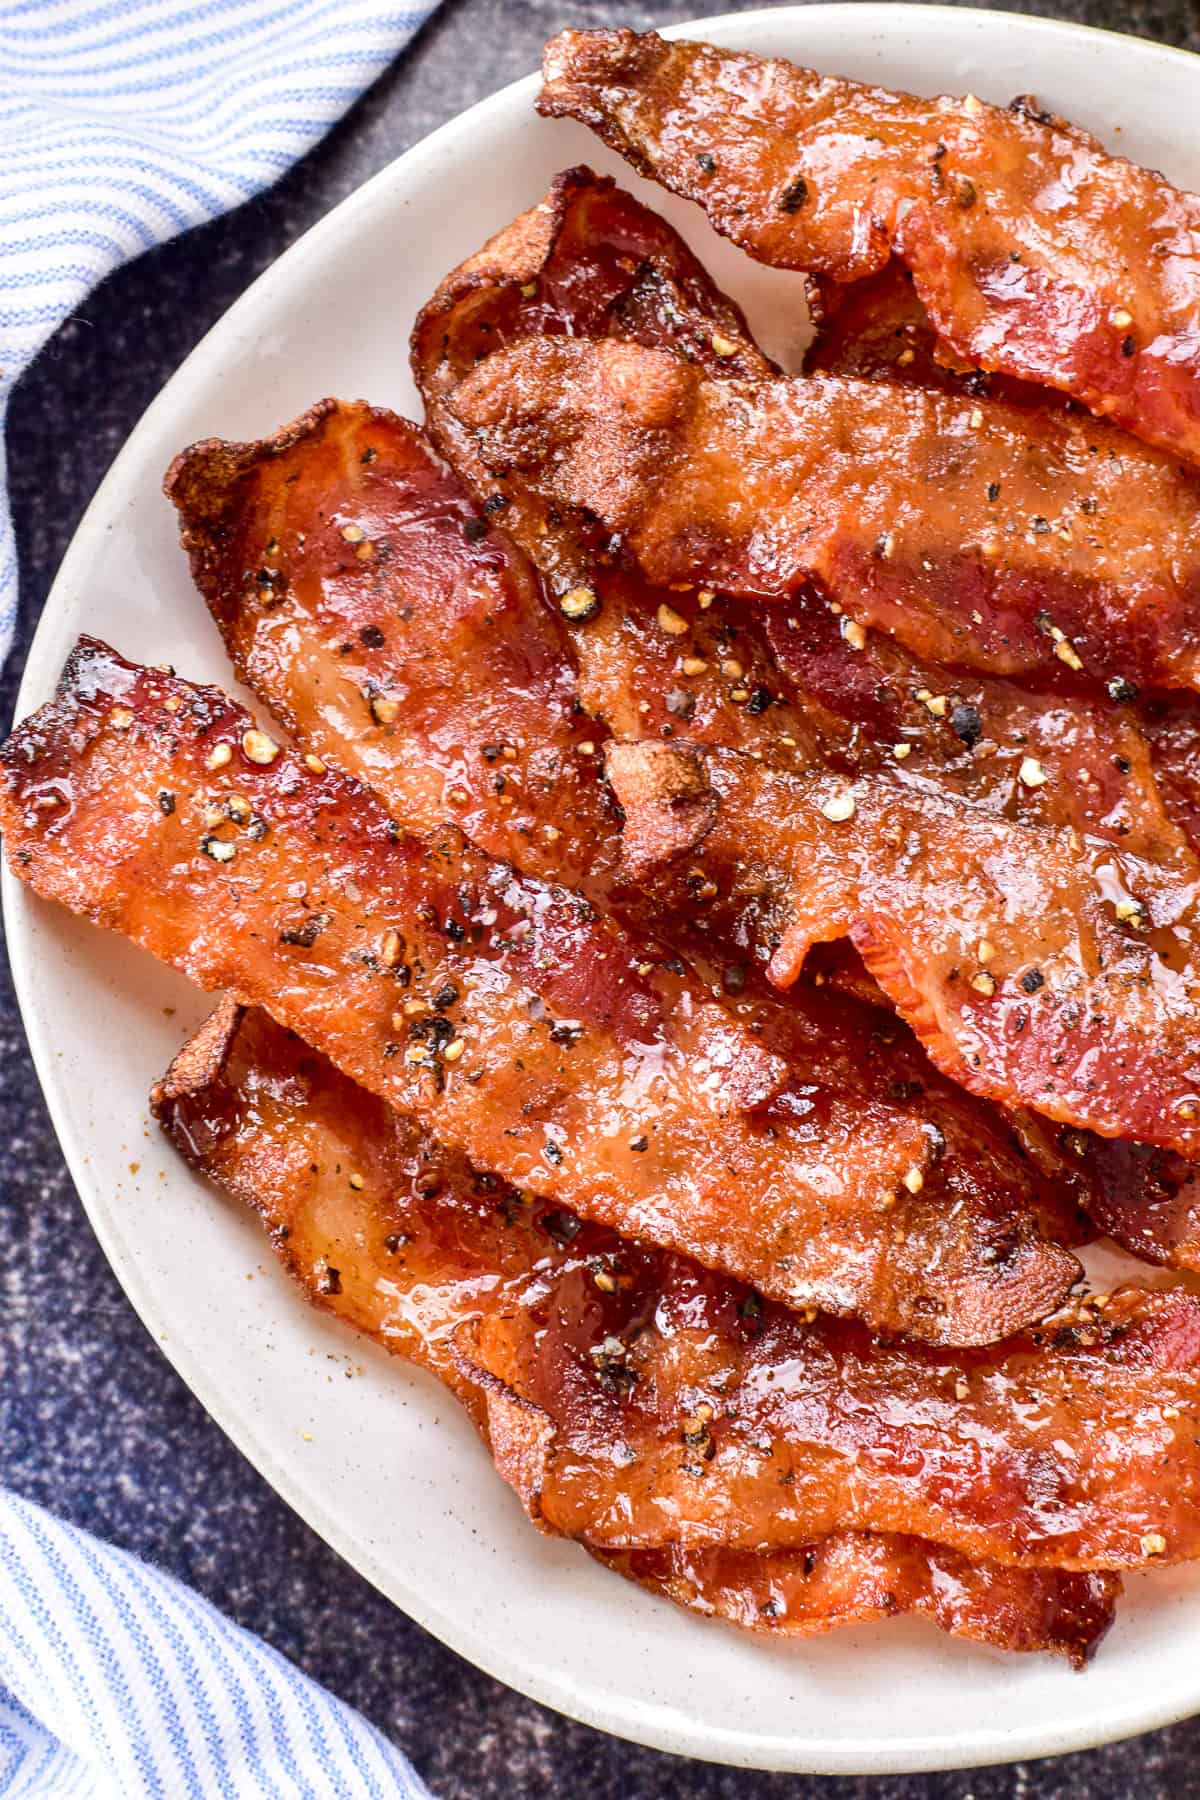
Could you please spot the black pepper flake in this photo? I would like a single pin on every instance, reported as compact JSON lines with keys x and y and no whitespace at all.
{"x":474,"y":529}
{"x":496,"y":503}
{"x":454,"y":931}
{"x":966,"y":723}
{"x":446,"y":995}
{"x":1123,"y":764}
{"x":257,"y":829}
{"x":372,"y":637}
{"x":707,"y":161}
{"x":673,"y":966}
{"x":307,"y":934}
{"x":1041,"y":526}
{"x":1128,"y":346}
{"x":639,"y":1143}
{"x":395,"y":1240}
{"x":368,"y":455}
{"x":760,"y":699}
{"x":332,"y":1283}
{"x":492,"y":752}
{"x":166,"y":802}
{"x":993,"y":490}
{"x":1032,"y":980}
{"x":563,"y":1227}
{"x":552,"y":1152}
{"x":794,"y":195}
{"x":568,"y":1035}
{"x":1120,"y":688}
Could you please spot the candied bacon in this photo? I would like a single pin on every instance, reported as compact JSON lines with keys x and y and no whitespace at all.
{"x":400,"y":1239}
{"x":1035,"y":252}
{"x":283,"y":649}
{"x":877,"y":328}
{"x":733,"y":1425}
{"x":364,"y":598}
{"x":1037,"y":970}
{"x":971,"y":530}
{"x":587,"y":1069}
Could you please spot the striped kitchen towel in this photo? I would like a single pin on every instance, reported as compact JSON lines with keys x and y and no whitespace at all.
{"x":117,"y":1682}
{"x":123,"y":122}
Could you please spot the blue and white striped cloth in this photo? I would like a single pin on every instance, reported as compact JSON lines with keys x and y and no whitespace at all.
{"x":123,"y":122}
{"x":117,"y":1682}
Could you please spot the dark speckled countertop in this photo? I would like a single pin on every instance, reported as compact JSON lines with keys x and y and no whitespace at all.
{"x":94,"y":1424}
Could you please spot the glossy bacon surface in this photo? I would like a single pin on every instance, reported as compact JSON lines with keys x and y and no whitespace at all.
{"x":708,"y":674}
{"x":1034,"y":251}
{"x":319,"y":606}
{"x":855,"y":1577}
{"x":878,"y":330}
{"x":365,"y":599}
{"x":401,"y":1239}
{"x":969,"y":529}
{"x":1013,"y":953}
{"x":590,"y":1069}
{"x":720,"y":1424}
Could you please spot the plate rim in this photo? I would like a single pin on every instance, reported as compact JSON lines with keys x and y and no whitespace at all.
{"x":654,"y":1724}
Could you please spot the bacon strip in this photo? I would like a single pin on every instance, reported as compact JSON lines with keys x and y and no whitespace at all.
{"x":362,"y":595}
{"x":381,"y":1226}
{"x":855,"y":1577}
{"x":877,"y":330}
{"x":970,"y":530}
{"x":1038,"y":972}
{"x":721,"y":1425}
{"x":590,"y":1070}
{"x":1034,"y":252}
{"x":587,"y":261}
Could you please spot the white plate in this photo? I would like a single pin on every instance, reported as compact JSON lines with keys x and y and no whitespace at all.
{"x":381,"y":1464}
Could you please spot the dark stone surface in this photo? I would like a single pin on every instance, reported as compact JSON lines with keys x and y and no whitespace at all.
{"x":93,"y":1422}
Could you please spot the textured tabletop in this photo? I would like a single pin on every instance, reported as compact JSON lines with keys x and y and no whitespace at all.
{"x":94,"y":1424}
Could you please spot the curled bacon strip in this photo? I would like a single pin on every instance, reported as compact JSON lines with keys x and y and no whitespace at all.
{"x":587,"y":261}
{"x":590,"y":1067}
{"x":363,"y":597}
{"x":401,"y":1239}
{"x":1034,"y":252}
{"x":302,"y":647}
{"x":971,"y":530}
